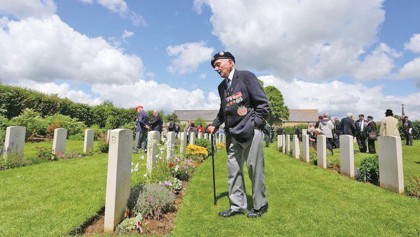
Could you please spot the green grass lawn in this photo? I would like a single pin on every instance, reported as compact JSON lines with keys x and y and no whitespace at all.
{"x":51,"y":199}
{"x":304,"y":200}
{"x":411,"y":158}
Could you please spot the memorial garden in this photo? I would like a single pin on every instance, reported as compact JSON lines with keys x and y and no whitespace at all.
{"x":95,"y":184}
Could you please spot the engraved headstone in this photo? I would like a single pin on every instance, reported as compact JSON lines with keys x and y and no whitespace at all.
{"x":59,"y":143}
{"x":391,"y":174}
{"x":305,"y":148}
{"x":15,"y":140}
{"x":118,"y":177}
{"x":321,"y":149}
{"x":347,"y":155}
{"x":88,"y":143}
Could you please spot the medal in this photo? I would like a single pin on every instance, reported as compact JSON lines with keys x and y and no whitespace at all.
{"x":242,"y":110}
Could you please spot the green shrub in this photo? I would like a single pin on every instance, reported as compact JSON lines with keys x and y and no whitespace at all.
{"x":61,"y":121}
{"x":204,"y":143}
{"x":103,"y":146}
{"x":183,"y":169}
{"x":368,"y":170}
{"x":10,"y":160}
{"x":33,"y":122}
{"x":154,"y":201}
{"x":412,"y":186}
{"x":43,"y":154}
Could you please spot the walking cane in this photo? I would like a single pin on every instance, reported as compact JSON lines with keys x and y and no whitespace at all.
{"x":212,"y":163}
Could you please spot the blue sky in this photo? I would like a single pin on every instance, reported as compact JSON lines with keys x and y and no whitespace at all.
{"x":359,"y":56}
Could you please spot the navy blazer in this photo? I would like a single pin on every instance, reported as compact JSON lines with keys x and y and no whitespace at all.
{"x":243,"y":106}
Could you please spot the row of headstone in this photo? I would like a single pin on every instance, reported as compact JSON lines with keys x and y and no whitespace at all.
{"x":15,"y":140}
{"x":119,"y":167}
{"x":390,"y":157}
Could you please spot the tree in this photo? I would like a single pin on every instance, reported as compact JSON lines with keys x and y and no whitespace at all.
{"x":279,"y":111}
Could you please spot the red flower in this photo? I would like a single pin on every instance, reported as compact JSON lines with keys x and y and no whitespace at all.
{"x":171,"y":165}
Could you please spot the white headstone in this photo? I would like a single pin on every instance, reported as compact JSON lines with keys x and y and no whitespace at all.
{"x":183,"y":142}
{"x":287,"y":144}
{"x":296,"y":148}
{"x":347,"y":155}
{"x":108,"y":134}
{"x":391,"y":174}
{"x":206,"y":136}
{"x":170,"y":145}
{"x":279,"y":141}
{"x":15,"y":140}
{"x":321,"y":150}
{"x":304,"y":131}
{"x":152,"y":149}
{"x":305,"y":148}
{"x":192,"y":137}
{"x":59,"y":143}
{"x":283,"y":147}
{"x":200,"y":135}
{"x":88,"y":144}
{"x":118,"y":177}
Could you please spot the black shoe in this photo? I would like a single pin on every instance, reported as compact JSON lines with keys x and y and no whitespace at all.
{"x":256,"y":213}
{"x":231,"y":212}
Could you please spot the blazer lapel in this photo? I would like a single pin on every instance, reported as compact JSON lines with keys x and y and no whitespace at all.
{"x":235,"y":79}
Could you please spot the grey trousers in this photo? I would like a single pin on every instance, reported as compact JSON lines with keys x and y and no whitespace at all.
{"x":252,"y":153}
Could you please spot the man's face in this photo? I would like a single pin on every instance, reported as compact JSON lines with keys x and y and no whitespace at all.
{"x":139,"y":109}
{"x":361,"y":118}
{"x":223,"y":67}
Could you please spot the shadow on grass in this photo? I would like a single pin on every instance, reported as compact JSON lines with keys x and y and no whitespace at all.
{"x":226,"y":194}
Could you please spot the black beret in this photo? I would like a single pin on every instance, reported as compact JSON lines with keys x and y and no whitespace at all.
{"x":370,"y":117}
{"x":220,"y":55}
{"x":388,"y":112}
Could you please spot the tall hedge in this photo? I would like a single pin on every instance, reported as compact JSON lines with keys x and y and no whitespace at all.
{"x":14,"y":100}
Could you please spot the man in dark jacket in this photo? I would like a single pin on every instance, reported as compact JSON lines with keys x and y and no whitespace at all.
{"x":243,"y":109}
{"x":142,"y":126}
{"x":156,"y":122}
{"x":347,"y":125}
{"x":361,"y":134}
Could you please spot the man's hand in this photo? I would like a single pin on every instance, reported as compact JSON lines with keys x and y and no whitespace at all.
{"x":211,"y":129}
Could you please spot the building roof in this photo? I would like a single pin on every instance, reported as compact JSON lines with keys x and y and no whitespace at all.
{"x":303,"y":115}
{"x":206,"y":115}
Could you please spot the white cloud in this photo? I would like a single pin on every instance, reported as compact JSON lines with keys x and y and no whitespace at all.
{"x":315,"y":40}
{"x":153,"y":95}
{"x":188,"y":56}
{"x":411,"y":69}
{"x":47,"y":49}
{"x":62,"y":90}
{"x":120,"y":7}
{"x":24,"y":8}
{"x":117,"y":6}
{"x":414,"y":44}
{"x":126,"y":35}
{"x":377,"y":65}
{"x":337,"y":98}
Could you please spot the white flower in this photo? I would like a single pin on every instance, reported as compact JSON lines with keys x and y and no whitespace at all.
{"x":136,"y":168}
{"x":141,"y":157}
{"x":176,"y":168}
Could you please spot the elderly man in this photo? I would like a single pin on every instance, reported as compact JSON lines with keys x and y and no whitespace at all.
{"x":347,"y":125}
{"x":361,"y":134}
{"x":389,"y":125}
{"x":243,"y":109}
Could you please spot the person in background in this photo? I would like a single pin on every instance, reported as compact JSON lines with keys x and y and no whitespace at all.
{"x":142,"y":126}
{"x":156,"y":123}
{"x":371,"y":131}
{"x":389,"y":125}
{"x":280,"y":130}
{"x":337,"y":131}
{"x":347,"y":126}
{"x":243,"y":109}
{"x":361,"y":133}
{"x":408,"y":131}
{"x":327,"y":126}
